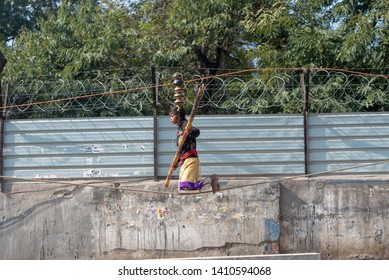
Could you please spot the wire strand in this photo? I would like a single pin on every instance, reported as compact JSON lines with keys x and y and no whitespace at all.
{"x":65,"y":184}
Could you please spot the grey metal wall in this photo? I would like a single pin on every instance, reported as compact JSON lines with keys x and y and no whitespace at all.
{"x":242,"y":145}
{"x":338,"y":141}
{"x":238,"y":145}
{"x":77,"y":148}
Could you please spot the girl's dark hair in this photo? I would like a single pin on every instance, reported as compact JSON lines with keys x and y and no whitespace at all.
{"x":180,"y":112}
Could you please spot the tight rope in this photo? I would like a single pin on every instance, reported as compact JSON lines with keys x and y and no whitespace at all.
{"x":74,"y":184}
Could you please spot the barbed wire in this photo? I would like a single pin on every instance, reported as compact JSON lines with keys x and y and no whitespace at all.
{"x":230,"y":91}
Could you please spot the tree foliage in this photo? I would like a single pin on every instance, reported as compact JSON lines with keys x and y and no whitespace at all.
{"x":204,"y":34}
{"x":68,"y":37}
{"x":75,"y":39}
{"x":343,"y":34}
{"x":18,"y":14}
{"x":363,"y":26}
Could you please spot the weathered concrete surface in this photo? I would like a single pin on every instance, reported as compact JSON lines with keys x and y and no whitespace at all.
{"x":338,"y":217}
{"x":79,"y":222}
{"x":300,"y":256}
{"x":341,"y":217}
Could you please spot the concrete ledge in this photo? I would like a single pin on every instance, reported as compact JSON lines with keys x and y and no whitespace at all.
{"x":303,"y":256}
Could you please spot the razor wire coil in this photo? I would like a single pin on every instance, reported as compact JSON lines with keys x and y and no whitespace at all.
{"x":245,"y":92}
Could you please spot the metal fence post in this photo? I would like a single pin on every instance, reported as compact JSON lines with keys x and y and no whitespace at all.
{"x":154,"y":79}
{"x":2,"y":115}
{"x":304,"y":80}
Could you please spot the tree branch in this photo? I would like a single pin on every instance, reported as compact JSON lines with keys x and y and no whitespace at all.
{"x":206,"y":62}
{"x":3,"y":61}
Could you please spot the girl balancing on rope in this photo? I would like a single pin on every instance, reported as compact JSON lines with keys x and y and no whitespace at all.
{"x":189,"y":176}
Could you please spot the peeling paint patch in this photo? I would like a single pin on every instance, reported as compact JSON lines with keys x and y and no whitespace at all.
{"x":50,"y":176}
{"x":7,"y":151}
{"x":272,"y":230}
{"x":236,"y":215}
{"x":271,"y":248}
{"x":92,"y":173}
{"x":161,"y":213}
{"x":378,"y":234}
{"x":94,"y":149}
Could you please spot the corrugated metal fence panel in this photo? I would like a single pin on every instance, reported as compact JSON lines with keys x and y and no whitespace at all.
{"x":228,"y":145}
{"x":338,"y":141}
{"x":76,"y":148}
{"x":241,"y":144}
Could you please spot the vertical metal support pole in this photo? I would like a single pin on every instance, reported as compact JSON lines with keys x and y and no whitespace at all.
{"x":304,"y":83}
{"x":155,"y":119}
{"x":3,"y":102}
{"x":2,"y":115}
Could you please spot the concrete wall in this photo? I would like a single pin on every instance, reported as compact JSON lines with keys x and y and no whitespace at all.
{"x":338,"y":217}
{"x":106,"y":223}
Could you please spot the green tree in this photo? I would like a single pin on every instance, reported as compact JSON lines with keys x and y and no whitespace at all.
{"x":18,"y":14}
{"x":363,"y":27}
{"x":77,"y":38}
{"x":317,"y":33}
{"x":204,"y":34}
